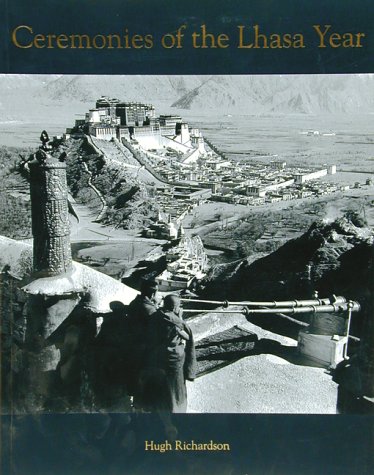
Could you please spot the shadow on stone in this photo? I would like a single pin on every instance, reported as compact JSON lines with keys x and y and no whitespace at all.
{"x":227,"y":347}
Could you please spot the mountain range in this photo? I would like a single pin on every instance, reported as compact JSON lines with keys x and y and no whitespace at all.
{"x":305,"y":94}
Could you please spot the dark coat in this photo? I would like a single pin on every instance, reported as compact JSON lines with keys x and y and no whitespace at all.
{"x":169,"y":361}
{"x":109,"y":377}
{"x":140,"y":309}
{"x":139,"y":313}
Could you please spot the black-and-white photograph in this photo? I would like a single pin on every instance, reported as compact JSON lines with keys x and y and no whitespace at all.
{"x":187,"y":244}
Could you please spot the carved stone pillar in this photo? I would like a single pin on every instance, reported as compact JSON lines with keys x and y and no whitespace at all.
{"x":50,"y":218}
{"x":51,"y":258}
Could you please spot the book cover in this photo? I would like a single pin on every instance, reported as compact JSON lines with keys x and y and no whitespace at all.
{"x":218,"y":152}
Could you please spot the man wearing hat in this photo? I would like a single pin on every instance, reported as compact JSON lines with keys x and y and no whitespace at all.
{"x":139,"y":313}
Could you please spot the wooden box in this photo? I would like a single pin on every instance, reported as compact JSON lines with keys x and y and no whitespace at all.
{"x":326,"y":350}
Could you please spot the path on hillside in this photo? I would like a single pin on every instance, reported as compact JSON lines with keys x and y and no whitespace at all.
{"x":122,"y":153}
{"x":88,"y":230}
{"x":113,"y":251}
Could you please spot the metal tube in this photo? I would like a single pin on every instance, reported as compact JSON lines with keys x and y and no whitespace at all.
{"x":295,"y":303}
{"x":273,"y":304}
{"x":213,"y":302}
{"x":352,"y":306}
{"x":200,"y":310}
{"x":309,"y":309}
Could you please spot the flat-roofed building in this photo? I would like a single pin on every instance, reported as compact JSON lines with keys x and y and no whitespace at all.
{"x":170,"y":120}
{"x":135,"y":113}
{"x":102,"y":131}
{"x":303,"y":177}
{"x":278,"y":164}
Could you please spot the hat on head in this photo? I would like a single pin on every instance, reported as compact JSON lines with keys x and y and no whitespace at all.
{"x":149,"y":284}
{"x":171,"y":301}
{"x":117,"y":306}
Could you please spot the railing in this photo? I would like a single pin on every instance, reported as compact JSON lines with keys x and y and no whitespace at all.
{"x":283,"y":309}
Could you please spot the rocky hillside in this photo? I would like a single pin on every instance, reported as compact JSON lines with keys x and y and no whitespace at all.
{"x":281,"y":94}
{"x":131,"y":88}
{"x":340,"y":256}
{"x":100,"y":179}
{"x":15,"y":210}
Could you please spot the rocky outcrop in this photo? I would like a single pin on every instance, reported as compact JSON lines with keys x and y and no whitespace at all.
{"x":332,"y":258}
